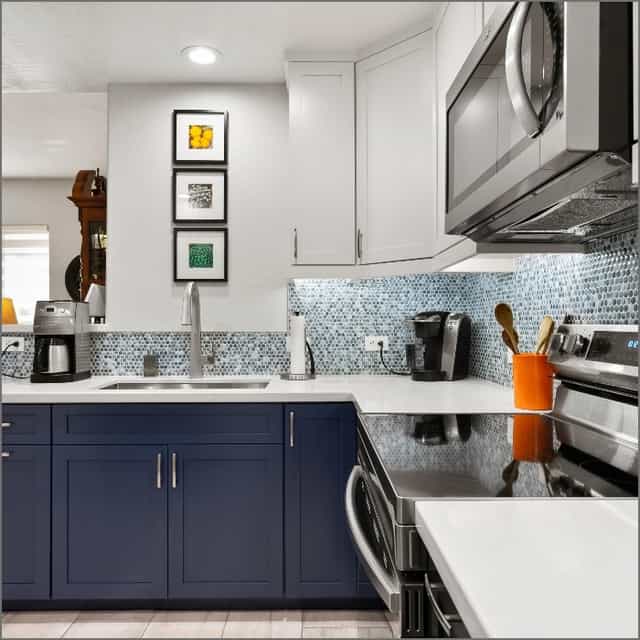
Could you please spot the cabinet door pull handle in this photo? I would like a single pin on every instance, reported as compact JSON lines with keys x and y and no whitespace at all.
{"x":295,"y":245}
{"x":5,"y":454}
{"x":359,"y":244}
{"x":292,"y":429}
{"x":174,"y":476}
{"x":7,"y":424}
{"x":159,"y":471}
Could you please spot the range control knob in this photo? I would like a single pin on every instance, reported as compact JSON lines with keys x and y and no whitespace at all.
{"x":557,"y":343}
{"x":580,"y":346}
{"x":575,"y":344}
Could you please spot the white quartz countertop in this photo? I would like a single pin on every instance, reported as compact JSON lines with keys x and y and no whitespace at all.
{"x":537,"y":568}
{"x":371,"y":394}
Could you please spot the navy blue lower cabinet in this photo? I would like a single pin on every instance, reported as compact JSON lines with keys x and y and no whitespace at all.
{"x":109,"y":535}
{"x":320,"y":451}
{"x":225,"y":521}
{"x":26,"y":519}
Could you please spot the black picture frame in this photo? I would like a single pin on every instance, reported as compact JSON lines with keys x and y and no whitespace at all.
{"x":224,"y":161}
{"x":223,"y":231}
{"x":181,"y":170}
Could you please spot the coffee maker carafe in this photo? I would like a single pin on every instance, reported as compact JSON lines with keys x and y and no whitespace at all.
{"x":443,"y":342}
{"x":60,"y":329}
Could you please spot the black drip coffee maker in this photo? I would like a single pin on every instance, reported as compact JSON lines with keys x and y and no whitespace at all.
{"x":429,"y":330}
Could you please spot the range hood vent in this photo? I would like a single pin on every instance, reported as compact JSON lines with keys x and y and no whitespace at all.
{"x":605,"y":207}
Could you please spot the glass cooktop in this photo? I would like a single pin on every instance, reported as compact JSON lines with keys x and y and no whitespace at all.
{"x":517,"y":455}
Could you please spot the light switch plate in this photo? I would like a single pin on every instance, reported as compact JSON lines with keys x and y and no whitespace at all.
{"x":7,"y":340}
{"x":371,"y":343}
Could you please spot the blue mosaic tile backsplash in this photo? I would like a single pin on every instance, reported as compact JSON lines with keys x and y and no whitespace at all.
{"x":598,"y":286}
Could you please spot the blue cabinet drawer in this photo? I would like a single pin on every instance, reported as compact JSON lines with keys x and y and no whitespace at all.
{"x":26,"y":424}
{"x":167,"y":423}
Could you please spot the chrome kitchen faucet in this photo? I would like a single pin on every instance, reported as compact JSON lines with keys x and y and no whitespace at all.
{"x":191,"y":316}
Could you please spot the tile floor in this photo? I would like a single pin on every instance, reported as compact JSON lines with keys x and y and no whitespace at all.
{"x":196,"y":624}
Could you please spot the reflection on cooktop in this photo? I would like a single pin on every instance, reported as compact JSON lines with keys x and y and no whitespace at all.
{"x":497,"y":455}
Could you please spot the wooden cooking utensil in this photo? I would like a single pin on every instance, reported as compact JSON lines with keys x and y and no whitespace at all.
{"x":544,"y":334}
{"x":504,"y":316}
{"x":507,"y":340}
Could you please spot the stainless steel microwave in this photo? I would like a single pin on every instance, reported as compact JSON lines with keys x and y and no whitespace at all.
{"x":540,"y":126}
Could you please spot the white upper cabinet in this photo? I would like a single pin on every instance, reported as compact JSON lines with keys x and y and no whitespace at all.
{"x":395,"y":156}
{"x":322,"y":162}
{"x":457,"y":32}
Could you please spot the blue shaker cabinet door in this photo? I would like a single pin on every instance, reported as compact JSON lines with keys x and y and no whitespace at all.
{"x":26,"y":514}
{"x":225,"y":521}
{"x":109,"y":522}
{"x":320,"y":451}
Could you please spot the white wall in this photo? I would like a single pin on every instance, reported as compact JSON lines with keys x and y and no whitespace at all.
{"x":141,"y":294}
{"x":44,"y":201}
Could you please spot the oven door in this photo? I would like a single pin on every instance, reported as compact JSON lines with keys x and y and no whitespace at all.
{"x":505,"y":97}
{"x":365,"y":529}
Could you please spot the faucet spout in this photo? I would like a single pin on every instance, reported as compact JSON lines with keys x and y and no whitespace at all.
{"x":191,"y":316}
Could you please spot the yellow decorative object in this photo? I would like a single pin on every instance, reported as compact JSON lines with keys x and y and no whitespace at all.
{"x":8,"y":312}
{"x":200,"y":136}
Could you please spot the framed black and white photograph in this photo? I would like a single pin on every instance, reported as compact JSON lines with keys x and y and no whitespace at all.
{"x":200,"y":254}
{"x":199,"y":195}
{"x":200,"y":137}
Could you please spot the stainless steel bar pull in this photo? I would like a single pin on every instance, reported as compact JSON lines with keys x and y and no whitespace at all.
{"x":445,"y":619}
{"x":292,"y":429}
{"x":159,"y":471}
{"x":6,"y":424}
{"x":5,"y":454}
{"x":295,"y":244}
{"x":174,"y":474}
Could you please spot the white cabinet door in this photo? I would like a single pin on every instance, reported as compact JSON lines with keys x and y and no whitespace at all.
{"x":322,"y":162}
{"x":395,"y":152}
{"x":456,"y":34}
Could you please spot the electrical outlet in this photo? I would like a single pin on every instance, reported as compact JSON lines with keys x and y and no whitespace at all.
{"x":371,"y":343}
{"x":510,"y":429}
{"x":7,"y":340}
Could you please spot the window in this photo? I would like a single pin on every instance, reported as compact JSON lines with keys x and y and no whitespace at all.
{"x":25,"y":267}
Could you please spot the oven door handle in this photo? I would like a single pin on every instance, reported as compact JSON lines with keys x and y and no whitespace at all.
{"x":388,"y":587}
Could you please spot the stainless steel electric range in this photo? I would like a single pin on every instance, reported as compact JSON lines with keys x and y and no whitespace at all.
{"x":587,"y":447}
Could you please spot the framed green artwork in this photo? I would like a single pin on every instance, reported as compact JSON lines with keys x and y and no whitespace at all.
{"x":200,"y":254}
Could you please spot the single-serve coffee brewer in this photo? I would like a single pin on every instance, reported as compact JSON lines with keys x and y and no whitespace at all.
{"x":443,"y":340}
{"x":62,"y":350}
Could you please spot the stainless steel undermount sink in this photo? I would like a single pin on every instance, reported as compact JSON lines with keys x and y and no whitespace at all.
{"x":151,"y":385}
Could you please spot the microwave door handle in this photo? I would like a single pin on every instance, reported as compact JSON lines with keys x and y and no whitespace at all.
{"x":516,"y":86}
{"x":388,"y":589}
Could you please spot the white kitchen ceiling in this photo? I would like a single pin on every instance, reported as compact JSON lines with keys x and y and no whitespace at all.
{"x":47,"y":135}
{"x":84,"y":46}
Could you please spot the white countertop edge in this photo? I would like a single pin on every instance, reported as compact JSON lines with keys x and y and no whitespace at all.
{"x":371,"y":394}
{"x":463,"y":600}
{"x":472,"y":621}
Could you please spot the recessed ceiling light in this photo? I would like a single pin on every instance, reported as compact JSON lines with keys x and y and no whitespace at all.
{"x":201,"y":54}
